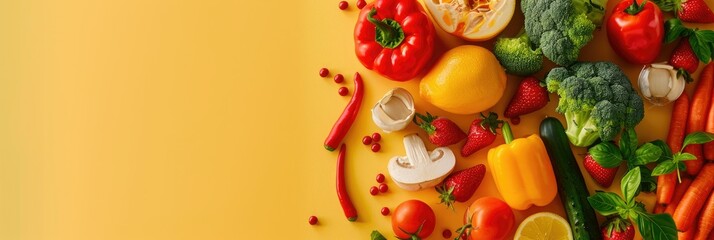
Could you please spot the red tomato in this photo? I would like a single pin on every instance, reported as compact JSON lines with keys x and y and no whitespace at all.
{"x":491,"y":219}
{"x":636,"y":31}
{"x":409,"y":216}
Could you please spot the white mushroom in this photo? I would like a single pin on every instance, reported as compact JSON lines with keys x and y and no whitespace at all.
{"x":420,"y":169}
{"x":394,"y":111}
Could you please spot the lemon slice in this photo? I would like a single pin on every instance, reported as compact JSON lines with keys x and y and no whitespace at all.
{"x":544,"y":226}
{"x":474,"y":20}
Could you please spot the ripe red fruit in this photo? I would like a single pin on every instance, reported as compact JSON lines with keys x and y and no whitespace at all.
{"x":376,"y":147}
{"x":380,"y":178}
{"x":339,"y":78}
{"x":601,"y":175}
{"x":373,"y":190}
{"x":481,"y":134}
{"x":446,"y":233}
{"x":361,"y":3}
{"x":385,"y":211}
{"x":695,"y":11}
{"x":343,"y":91}
{"x":461,"y":185}
{"x":618,"y":229}
{"x":383,"y":188}
{"x":376,"y":137}
{"x":442,"y":132}
{"x":324,"y":72}
{"x":366,"y":140}
{"x":683,"y":57}
{"x":343,"y":5}
{"x":312,"y":220}
{"x":530,"y":97}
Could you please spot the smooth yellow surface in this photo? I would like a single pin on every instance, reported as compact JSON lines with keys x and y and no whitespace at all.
{"x":142,"y":119}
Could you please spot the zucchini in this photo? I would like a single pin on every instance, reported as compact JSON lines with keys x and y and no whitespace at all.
{"x":571,"y":185}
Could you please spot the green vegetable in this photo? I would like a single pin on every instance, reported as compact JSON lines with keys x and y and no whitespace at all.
{"x":597,"y":100}
{"x":376,"y":235}
{"x":675,"y":162}
{"x":701,"y":41}
{"x":571,"y":185}
{"x":518,"y":56}
{"x":651,"y":226}
{"x":608,"y":155}
{"x":562,"y":27}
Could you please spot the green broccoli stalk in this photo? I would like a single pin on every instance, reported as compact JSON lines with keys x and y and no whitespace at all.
{"x":518,"y":56}
{"x":560,"y":28}
{"x":597,"y":100}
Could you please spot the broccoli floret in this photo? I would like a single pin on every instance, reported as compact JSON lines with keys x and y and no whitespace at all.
{"x":562,"y":27}
{"x":597,"y":99}
{"x":518,"y":56}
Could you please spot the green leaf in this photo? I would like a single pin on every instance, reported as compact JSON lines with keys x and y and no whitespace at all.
{"x":700,"y":48}
{"x":706,"y":36}
{"x":648,"y":182}
{"x":673,"y":29}
{"x":681,"y":166}
{"x":697,"y":138}
{"x":647,"y":153}
{"x":666,"y":151}
{"x":628,"y":143}
{"x":606,"y":154}
{"x":665,"y":167}
{"x":683,"y":157}
{"x":630,"y":184}
{"x":606,"y":203}
{"x":376,"y":235}
{"x":656,"y":226}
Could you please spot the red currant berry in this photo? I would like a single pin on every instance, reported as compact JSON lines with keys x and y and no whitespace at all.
{"x":361,"y":4}
{"x":380,"y":178}
{"x":312,"y":220}
{"x":383,"y":188}
{"x":343,"y":5}
{"x":339,"y":78}
{"x":373,"y":190}
{"x":324,"y":72}
{"x":376,"y":137}
{"x":446,"y":233}
{"x":366,"y":140}
{"x":376,"y":147}
{"x":385,"y":211}
{"x":343,"y":91}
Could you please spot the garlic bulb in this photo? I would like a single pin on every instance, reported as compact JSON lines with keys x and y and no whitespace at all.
{"x":660,"y":84}
{"x":394,"y":111}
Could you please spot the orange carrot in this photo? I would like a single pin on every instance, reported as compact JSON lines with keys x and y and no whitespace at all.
{"x":694,"y":198}
{"x":677,"y":127}
{"x":679,"y":192}
{"x":659,"y":208}
{"x":698,"y":112}
{"x":688,"y":235}
{"x":709,"y":147}
{"x":706,"y":220}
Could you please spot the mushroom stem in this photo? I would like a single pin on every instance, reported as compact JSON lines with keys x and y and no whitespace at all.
{"x":417,"y":154}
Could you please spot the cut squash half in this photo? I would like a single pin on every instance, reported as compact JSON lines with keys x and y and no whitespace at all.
{"x":473,"y":20}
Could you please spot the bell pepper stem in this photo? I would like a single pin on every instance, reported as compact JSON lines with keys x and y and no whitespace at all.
{"x":635,"y":8}
{"x":507,"y":134}
{"x":388,"y":30}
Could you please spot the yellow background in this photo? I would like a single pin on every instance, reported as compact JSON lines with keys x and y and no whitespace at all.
{"x":203,"y":120}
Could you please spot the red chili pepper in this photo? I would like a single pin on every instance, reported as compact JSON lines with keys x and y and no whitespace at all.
{"x":394,"y":38}
{"x":343,"y":124}
{"x":347,"y":207}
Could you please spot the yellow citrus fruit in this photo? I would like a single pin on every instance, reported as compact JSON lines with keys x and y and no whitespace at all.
{"x":544,"y":226}
{"x":465,"y":80}
{"x":474,"y":20}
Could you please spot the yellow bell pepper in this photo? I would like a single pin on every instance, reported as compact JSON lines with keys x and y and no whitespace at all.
{"x":522,"y":171}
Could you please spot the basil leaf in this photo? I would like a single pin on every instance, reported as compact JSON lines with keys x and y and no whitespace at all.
{"x":647,"y":153}
{"x":628,"y":143}
{"x":697,"y":138}
{"x":664,"y":168}
{"x":656,"y":226}
{"x":683,"y":157}
{"x":606,"y":154}
{"x":630,"y":184}
{"x":648,"y":182}
{"x":700,"y":48}
{"x":606,"y":203}
{"x":706,"y":36}
{"x":681,"y":166}
{"x":673,"y":29}
{"x":666,"y":152}
{"x":376,"y":235}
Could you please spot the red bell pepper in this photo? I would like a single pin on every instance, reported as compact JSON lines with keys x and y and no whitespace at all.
{"x":394,"y":38}
{"x":636,"y":31}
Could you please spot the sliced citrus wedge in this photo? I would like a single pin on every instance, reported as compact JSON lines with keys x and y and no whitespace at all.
{"x":473,"y":20}
{"x":544,"y":226}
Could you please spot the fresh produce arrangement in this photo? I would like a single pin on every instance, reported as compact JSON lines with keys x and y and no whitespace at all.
{"x":599,"y":104}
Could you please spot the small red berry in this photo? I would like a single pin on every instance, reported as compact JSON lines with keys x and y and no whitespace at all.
{"x":312,"y":220}
{"x":361,"y":4}
{"x":343,"y":5}
{"x":376,"y":137}
{"x":343,"y":91}
{"x":339,"y":78}
{"x":380,"y":178}
{"x":373,"y":190}
{"x":385,"y":211}
{"x":366,"y":140}
{"x":324,"y":72}
{"x":446,"y":233}
{"x":383,"y":188}
{"x":376,"y":147}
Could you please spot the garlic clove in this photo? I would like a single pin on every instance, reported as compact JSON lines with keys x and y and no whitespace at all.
{"x":420,"y":169}
{"x":394,"y":111}
{"x":660,"y":84}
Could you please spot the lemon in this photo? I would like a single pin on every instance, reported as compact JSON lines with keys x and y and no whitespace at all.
{"x":544,"y":226}
{"x":477,"y":20}
{"x":465,"y":80}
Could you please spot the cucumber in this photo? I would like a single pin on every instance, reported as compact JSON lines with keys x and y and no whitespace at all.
{"x":571,"y":185}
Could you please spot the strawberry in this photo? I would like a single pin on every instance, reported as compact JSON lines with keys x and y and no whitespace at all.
{"x":442,"y":131}
{"x":683,"y":57}
{"x":602,"y":176}
{"x":481,"y":134}
{"x":695,"y":11}
{"x":461,"y":185}
{"x":530,"y":96}
{"x":618,"y":229}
